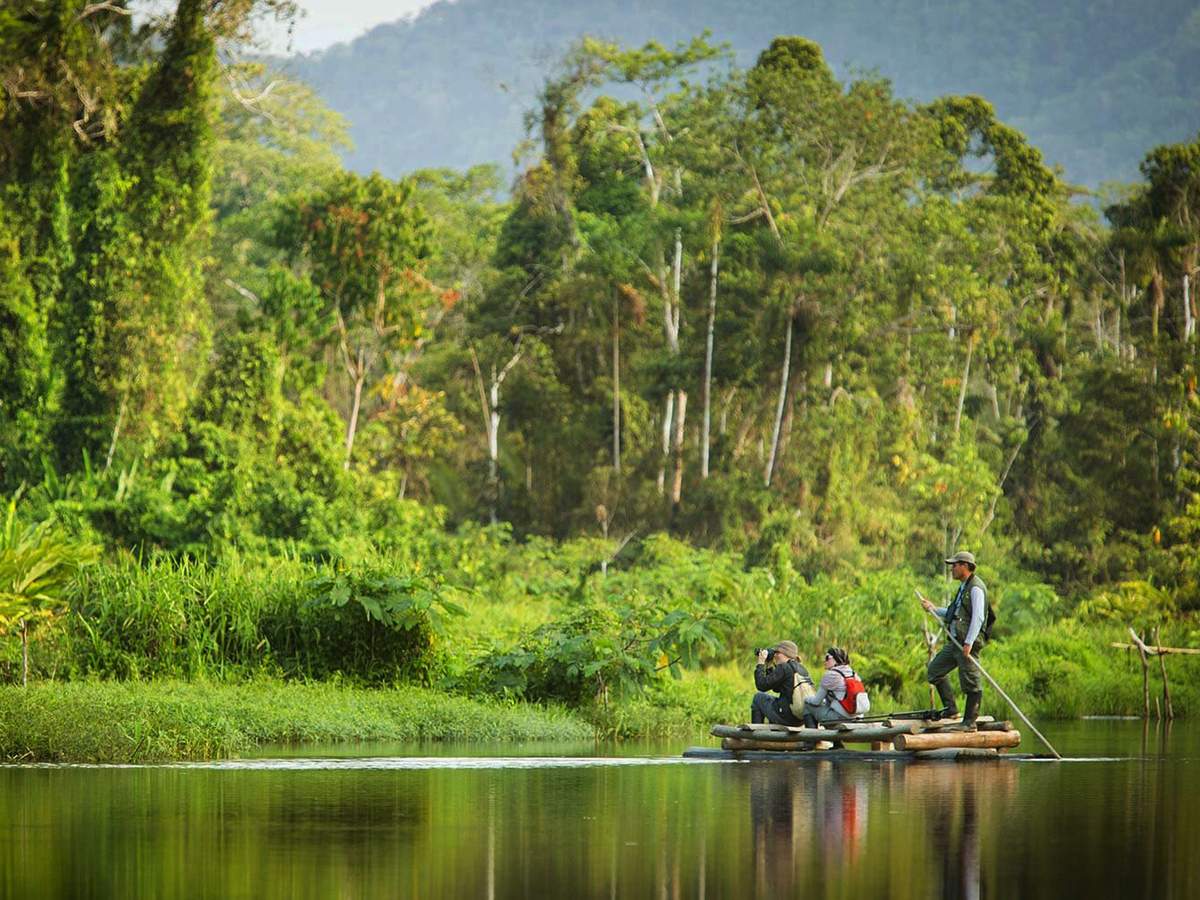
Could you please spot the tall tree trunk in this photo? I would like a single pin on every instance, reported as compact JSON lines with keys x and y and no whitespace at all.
{"x":783,"y":386}
{"x":1189,"y":320}
{"x":677,"y":481}
{"x":708,"y":358}
{"x":726,"y":402}
{"x":360,"y":376}
{"x":489,"y":404}
{"x":789,"y":417}
{"x":116,"y":432}
{"x":676,"y":277}
{"x":494,"y":443}
{"x":668,"y":408}
{"x":1157,"y":299}
{"x":671,"y":321}
{"x":962,"y":388}
{"x":616,"y":366}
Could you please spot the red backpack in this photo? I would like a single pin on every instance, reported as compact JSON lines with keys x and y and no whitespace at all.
{"x":856,"y":701}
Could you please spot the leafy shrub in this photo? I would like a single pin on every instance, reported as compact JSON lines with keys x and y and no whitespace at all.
{"x":370,"y":622}
{"x":1129,"y":603}
{"x":600,"y":648}
{"x":1022,"y":605}
{"x":365,"y":622}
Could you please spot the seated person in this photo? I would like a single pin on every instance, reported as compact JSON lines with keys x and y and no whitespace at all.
{"x":826,"y":704}
{"x":780,"y":670}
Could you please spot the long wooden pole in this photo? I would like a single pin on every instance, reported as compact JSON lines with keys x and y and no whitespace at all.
{"x":1156,"y":651}
{"x":1145,"y":676}
{"x":929,"y":658}
{"x":1162,"y":663}
{"x":992,"y":681}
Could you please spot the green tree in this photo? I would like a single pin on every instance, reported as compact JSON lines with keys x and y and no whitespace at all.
{"x":361,"y":241}
{"x":59,"y":80}
{"x":134,"y":320}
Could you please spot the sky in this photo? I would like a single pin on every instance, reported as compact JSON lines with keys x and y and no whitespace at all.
{"x":326,"y":22}
{"x":330,"y":22}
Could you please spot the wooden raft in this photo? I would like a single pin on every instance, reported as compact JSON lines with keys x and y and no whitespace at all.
{"x":912,"y":738}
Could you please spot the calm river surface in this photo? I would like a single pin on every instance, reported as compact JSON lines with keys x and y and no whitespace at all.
{"x":625,"y":821}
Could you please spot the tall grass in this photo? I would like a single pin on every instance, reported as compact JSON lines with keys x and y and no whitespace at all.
{"x":90,"y":721}
{"x":185,"y":619}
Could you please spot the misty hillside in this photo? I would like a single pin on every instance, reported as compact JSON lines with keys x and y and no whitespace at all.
{"x":1095,"y":83}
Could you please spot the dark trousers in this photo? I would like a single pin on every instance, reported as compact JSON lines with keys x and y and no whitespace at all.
{"x":767,"y":707}
{"x":950,"y":658}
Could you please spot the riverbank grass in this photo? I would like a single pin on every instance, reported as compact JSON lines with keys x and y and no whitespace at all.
{"x":101,"y":721}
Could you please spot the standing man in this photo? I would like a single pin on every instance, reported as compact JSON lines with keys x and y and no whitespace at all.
{"x":779,"y":670}
{"x":965,"y":618}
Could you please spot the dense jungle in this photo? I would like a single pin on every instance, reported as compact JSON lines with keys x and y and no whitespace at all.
{"x":742,"y":352}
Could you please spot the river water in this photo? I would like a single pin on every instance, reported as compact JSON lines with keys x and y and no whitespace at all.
{"x":628,"y":821}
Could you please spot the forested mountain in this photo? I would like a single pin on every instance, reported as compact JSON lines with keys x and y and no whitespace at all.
{"x":1091,"y":82}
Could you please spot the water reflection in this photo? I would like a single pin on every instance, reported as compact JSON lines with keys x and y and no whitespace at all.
{"x":770,"y":829}
{"x":805,"y":818}
{"x":951,"y":797}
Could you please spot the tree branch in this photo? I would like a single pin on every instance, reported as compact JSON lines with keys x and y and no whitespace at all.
{"x":107,"y":6}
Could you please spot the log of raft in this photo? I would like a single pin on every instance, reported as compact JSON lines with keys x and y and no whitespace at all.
{"x":791,"y":735}
{"x":732,"y":743}
{"x":954,"y":725}
{"x":953,"y":754}
{"x":934,"y":724}
{"x":780,"y":747}
{"x":975,"y":739}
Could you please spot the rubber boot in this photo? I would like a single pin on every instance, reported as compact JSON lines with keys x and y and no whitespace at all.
{"x":970,"y":713}
{"x":971,"y":710}
{"x":949,"y":706}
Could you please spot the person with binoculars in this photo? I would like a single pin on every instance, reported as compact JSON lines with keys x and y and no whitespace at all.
{"x":779,"y":670}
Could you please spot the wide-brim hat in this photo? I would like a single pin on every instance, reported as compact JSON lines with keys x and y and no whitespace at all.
{"x":963,"y":556}
{"x":788,"y":649}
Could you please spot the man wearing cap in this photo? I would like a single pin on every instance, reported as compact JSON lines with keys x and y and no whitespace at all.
{"x":779,"y":676}
{"x":965,"y":619}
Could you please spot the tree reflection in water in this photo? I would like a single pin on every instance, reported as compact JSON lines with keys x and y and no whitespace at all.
{"x":810,"y":822}
{"x":950,"y":796}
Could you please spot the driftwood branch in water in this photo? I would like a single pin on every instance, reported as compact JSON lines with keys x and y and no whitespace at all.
{"x":1156,"y":651}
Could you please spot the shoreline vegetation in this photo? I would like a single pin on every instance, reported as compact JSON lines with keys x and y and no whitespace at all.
{"x":159,"y":721}
{"x":1071,"y":674}
{"x":292,"y":453}
{"x":475,"y":634}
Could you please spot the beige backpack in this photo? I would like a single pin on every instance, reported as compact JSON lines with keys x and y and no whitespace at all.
{"x":802,"y":689}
